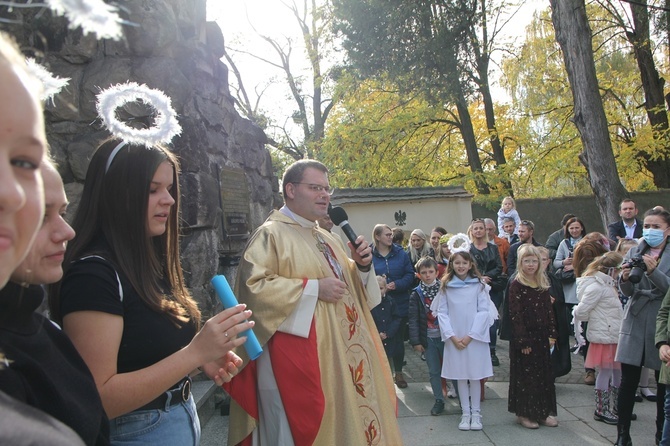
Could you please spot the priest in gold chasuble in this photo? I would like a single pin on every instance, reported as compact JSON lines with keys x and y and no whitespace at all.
{"x":323,"y":378}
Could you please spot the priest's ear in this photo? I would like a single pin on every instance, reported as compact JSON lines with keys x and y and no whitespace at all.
{"x":289,"y":191}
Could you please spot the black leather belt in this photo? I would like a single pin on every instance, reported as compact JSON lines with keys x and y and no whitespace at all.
{"x":179,"y":394}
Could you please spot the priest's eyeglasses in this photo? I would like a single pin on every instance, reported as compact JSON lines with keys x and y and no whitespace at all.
{"x":318,"y":188}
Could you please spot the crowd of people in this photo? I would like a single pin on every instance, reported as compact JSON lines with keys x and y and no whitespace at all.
{"x":113,"y":362}
{"x":578,"y":286}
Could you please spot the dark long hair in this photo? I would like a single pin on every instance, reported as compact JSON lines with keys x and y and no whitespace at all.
{"x":114,"y":205}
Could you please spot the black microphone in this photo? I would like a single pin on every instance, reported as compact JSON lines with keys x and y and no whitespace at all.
{"x":339,"y":216}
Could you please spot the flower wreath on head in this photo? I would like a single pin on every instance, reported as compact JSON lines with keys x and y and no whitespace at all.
{"x":458,"y":243}
{"x":166,"y":125}
{"x":445,"y":238}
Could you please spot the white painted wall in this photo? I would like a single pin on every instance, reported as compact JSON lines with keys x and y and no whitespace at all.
{"x":454,"y":214}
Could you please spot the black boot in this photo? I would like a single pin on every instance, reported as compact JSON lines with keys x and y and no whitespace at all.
{"x":623,"y":435}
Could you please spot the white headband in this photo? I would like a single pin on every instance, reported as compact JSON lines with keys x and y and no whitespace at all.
{"x":113,"y":154}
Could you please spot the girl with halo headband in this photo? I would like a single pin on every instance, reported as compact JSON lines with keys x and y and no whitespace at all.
{"x":532,"y":395}
{"x":124,"y":303}
{"x":28,"y":388}
{"x":465,"y":313}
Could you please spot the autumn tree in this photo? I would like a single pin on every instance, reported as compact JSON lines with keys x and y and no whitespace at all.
{"x":574,"y":36}
{"x":639,"y":35}
{"x":420,"y":46}
{"x":312,"y":102}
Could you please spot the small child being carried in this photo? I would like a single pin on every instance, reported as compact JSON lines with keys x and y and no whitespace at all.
{"x":508,"y":210}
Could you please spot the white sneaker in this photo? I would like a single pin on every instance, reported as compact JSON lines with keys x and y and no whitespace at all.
{"x":464,"y":425}
{"x":476,"y":422}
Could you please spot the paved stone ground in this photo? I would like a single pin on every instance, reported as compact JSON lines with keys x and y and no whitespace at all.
{"x":418,"y":427}
{"x":416,"y":370}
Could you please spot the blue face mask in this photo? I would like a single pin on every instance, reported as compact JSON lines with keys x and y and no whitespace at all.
{"x":653,"y":237}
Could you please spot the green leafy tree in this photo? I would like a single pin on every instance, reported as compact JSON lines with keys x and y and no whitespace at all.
{"x":420,"y":46}
{"x":535,"y":78}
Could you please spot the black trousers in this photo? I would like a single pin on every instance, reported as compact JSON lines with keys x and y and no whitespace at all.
{"x":630,"y":378}
{"x":399,"y":357}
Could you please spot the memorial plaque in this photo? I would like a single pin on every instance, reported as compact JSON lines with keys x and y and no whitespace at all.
{"x":235,"y":199}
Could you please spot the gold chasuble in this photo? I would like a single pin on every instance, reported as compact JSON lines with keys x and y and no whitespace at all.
{"x":334,"y":383}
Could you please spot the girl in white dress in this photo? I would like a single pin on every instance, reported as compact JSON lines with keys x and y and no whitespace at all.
{"x":465,"y":314}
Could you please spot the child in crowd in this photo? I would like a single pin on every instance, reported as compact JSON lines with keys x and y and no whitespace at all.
{"x":599,"y":305}
{"x":465,"y":313}
{"x":387,"y":319}
{"x":532,"y":395}
{"x":510,"y":232}
{"x":443,"y":255}
{"x":508,"y":210}
{"x":424,"y":331}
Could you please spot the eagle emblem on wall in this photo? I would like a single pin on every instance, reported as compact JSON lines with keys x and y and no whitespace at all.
{"x":400,"y":218}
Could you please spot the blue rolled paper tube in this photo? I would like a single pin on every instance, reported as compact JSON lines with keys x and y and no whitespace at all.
{"x":228,"y":300}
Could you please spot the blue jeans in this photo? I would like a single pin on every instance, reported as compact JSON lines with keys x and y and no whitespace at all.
{"x":434,"y":354}
{"x":176,"y":425}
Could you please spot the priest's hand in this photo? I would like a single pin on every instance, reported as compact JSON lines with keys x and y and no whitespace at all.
{"x":361,"y":255}
{"x":331,"y":289}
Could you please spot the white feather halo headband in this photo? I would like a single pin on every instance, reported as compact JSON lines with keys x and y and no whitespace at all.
{"x":93,"y":16}
{"x":166,"y":125}
{"x":463,"y":243}
{"x":51,"y":85}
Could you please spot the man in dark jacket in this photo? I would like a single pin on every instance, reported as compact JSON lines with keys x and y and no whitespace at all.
{"x":628,"y":226}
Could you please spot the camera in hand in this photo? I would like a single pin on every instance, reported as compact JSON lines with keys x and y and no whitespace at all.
{"x":637,"y":269}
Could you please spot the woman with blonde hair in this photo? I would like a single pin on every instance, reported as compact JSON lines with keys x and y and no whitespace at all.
{"x":418,"y":246}
{"x":392,"y":262}
{"x":532,"y":395}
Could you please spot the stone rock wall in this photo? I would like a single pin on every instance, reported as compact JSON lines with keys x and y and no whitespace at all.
{"x":171,"y":47}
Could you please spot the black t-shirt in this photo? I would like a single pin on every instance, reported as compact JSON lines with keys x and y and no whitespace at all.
{"x":93,"y":284}
{"x":43,"y":368}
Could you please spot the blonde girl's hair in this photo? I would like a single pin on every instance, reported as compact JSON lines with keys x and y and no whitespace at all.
{"x":11,"y":56}
{"x":539,"y":279}
{"x":449,"y":273}
{"x":603,"y":263}
{"x":624,"y":245}
{"x":510,"y":199}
